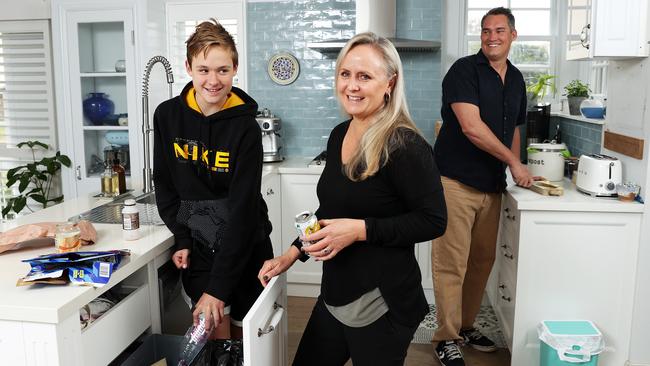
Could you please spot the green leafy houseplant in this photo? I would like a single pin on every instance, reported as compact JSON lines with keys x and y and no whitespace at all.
{"x":538,"y":88}
{"x":37,"y":173}
{"x":577,"y":88}
{"x":576,"y":92}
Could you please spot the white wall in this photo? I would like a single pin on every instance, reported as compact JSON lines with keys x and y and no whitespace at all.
{"x":627,"y":102}
{"x":28,"y":9}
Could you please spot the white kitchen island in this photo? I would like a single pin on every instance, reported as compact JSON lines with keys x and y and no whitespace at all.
{"x":567,"y":257}
{"x":39,"y":324}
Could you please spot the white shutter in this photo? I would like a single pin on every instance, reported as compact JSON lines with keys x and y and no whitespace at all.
{"x":182,"y":18}
{"x":26,"y":97}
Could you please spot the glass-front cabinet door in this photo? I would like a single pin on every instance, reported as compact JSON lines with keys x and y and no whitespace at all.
{"x":578,"y":28}
{"x":102,"y":88}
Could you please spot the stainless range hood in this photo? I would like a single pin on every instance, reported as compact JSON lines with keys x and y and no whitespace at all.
{"x":377,"y":16}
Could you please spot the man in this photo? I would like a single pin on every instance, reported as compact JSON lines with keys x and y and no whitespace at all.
{"x":483,"y":102}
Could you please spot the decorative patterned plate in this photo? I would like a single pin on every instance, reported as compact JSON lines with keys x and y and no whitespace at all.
{"x":283,"y":68}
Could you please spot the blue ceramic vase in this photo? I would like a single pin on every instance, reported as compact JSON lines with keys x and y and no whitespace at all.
{"x":97,"y":107}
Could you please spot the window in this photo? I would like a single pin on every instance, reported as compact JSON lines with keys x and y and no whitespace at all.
{"x":543,"y":30}
{"x":26,"y":97}
{"x":181,"y":20}
{"x":533,"y":53}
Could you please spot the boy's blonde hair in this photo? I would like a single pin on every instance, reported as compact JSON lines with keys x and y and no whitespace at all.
{"x":210,"y":34}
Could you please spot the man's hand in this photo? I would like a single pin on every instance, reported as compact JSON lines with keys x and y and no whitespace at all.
{"x":521,"y":175}
{"x":181,"y":258}
{"x":212,"y":310}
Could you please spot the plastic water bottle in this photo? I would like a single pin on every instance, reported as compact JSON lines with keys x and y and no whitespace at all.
{"x":193,"y":342}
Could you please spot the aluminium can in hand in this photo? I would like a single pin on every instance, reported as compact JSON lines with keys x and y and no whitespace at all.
{"x":306,"y":223}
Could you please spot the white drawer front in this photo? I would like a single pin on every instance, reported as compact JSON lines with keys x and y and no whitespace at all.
{"x":505,"y":308}
{"x":117,"y":328}
{"x":510,"y":217}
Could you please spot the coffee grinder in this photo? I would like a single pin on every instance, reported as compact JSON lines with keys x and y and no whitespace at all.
{"x":271,"y":140}
{"x":538,"y":118}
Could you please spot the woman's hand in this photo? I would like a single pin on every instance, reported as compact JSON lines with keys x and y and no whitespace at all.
{"x":334,"y":236}
{"x":277,"y":265}
{"x":181,"y":258}
{"x":212,"y":309}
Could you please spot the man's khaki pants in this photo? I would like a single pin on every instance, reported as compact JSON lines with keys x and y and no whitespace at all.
{"x":462,"y":258}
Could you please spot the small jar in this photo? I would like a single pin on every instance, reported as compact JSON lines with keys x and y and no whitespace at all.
{"x":130,"y":220}
{"x":67,"y":237}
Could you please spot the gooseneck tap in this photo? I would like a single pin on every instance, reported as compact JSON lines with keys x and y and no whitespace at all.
{"x":146,"y":128}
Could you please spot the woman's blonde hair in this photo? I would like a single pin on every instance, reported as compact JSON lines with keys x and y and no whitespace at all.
{"x":382,"y":137}
{"x":208,"y":34}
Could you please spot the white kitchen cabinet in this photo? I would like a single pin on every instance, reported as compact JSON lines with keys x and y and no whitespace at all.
{"x":271,"y":192}
{"x":607,"y":29}
{"x":299,"y":194}
{"x":89,"y":38}
{"x":569,"y":257}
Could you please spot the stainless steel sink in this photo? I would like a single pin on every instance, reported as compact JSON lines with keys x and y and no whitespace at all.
{"x":110,"y":213}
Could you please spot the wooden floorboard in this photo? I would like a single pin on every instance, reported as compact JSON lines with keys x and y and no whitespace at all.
{"x":418,"y":354}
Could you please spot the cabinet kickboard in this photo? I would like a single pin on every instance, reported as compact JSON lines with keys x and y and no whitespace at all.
{"x":626,"y":145}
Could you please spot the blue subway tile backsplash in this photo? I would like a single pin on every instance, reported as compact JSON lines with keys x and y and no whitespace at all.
{"x":580,"y":137}
{"x":308,"y":107}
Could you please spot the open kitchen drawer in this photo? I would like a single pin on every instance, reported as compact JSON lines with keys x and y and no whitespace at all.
{"x":111,"y":333}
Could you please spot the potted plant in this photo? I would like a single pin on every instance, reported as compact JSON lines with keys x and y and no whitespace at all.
{"x":576,"y":92}
{"x":536,"y":90}
{"x":35,"y":179}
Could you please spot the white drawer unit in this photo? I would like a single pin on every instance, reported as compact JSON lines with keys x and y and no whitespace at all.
{"x":123,"y":323}
{"x":571,"y":257}
{"x":299,"y":194}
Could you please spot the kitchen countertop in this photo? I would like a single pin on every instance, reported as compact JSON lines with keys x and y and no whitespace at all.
{"x":292,"y":165}
{"x":27,"y":303}
{"x":50,"y":303}
{"x":571,"y":200}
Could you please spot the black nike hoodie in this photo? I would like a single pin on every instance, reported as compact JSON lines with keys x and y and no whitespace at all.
{"x":198,"y":158}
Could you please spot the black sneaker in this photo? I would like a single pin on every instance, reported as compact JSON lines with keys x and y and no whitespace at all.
{"x":449,"y":354}
{"x":477,"y":340}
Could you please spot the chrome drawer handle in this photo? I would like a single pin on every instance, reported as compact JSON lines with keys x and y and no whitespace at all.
{"x":276,"y":316}
{"x":502,"y":286}
{"x":270,"y":192}
{"x":509,"y":256}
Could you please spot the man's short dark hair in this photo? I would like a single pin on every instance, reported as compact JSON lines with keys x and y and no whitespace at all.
{"x":501,"y":11}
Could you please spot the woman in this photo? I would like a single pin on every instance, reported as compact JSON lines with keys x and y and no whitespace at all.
{"x":207,"y":174}
{"x":380,"y":193}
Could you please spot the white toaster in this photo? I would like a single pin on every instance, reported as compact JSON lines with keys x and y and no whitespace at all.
{"x":598,"y":175}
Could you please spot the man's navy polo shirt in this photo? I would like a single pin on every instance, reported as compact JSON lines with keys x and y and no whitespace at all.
{"x":502,"y":106}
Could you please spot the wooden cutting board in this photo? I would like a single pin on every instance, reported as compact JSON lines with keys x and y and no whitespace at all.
{"x":547,"y":188}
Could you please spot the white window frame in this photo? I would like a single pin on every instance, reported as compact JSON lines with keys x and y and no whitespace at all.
{"x":37,"y":101}
{"x":455,"y":42}
{"x":200,"y":11}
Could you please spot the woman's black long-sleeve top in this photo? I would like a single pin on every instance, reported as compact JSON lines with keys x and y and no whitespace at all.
{"x":402,"y":204}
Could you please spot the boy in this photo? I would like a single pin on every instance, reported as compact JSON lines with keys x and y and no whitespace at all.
{"x":207,"y":176}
